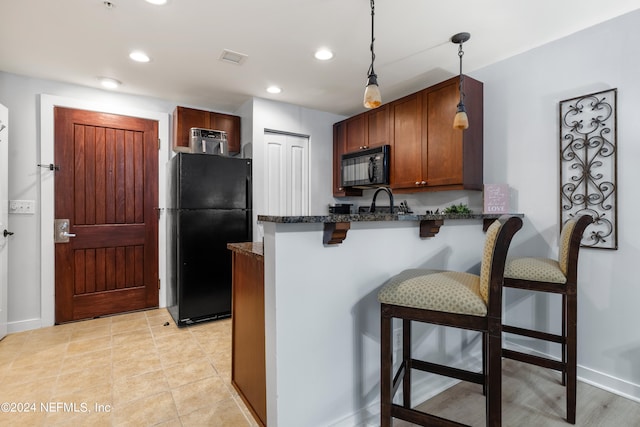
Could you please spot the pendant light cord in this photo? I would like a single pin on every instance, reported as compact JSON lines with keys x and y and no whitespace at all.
{"x":460,"y":54}
{"x":373,"y":55}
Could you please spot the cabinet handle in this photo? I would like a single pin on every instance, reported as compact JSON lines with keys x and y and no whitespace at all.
{"x":417,"y":182}
{"x":424,"y":183}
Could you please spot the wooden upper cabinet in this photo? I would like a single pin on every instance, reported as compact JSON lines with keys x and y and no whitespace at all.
{"x":377,"y":125}
{"x":454,"y":157}
{"x":355,"y":136}
{"x":339,"y":148}
{"x":444,"y":148}
{"x":406,"y":134}
{"x":427,"y":154}
{"x":183,"y":120}
{"x":231,"y":125}
{"x":186,"y":118}
{"x":441,"y":158}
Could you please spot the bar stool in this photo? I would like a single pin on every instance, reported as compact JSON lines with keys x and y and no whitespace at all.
{"x":447,"y":298}
{"x":559,"y":277}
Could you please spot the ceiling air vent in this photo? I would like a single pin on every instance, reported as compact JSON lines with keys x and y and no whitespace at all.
{"x":232,"y":57}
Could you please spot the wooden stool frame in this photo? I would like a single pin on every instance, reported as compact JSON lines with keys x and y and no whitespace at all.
{"x":569,"y":337}
{"x":490,"y":326}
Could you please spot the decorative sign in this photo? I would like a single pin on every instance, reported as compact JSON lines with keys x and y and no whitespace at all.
{"x":496,"y":198}
{"x":588,"y":151}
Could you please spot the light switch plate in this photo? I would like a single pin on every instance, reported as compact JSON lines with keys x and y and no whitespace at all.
{"x":22,"y":207}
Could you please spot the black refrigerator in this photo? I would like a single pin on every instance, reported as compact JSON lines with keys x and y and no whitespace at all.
{"x":209,"y":206}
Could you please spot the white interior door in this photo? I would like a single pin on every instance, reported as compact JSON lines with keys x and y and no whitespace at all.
{"x":4,"y":210}
{"x":287,"y":174}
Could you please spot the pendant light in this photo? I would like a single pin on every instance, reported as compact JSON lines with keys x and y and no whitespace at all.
{"x":461,"y":121}
{"x":372,"y":98}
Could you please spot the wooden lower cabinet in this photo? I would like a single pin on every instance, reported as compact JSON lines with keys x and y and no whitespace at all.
{"x":248,"y":370}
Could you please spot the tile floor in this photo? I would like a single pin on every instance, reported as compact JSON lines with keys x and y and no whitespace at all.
{"x":126,"y":370}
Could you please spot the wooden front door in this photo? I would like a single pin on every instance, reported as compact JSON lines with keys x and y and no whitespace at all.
{"x":107,"y":187}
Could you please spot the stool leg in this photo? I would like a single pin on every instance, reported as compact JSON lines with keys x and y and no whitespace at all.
{"x":386,"y":355}
{"x":572,"y":356}
{"x":406,"y":356}
{"x":493,"y":379}
{"x":564,"y":335}
{"x":484,"y":362}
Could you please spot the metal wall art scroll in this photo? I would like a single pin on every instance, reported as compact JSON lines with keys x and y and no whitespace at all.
{"x":588,"y":152}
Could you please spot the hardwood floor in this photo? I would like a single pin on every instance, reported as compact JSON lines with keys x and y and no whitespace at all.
{"x":532,"y":396}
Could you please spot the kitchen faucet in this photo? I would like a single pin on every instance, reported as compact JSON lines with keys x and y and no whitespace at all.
{"x":373,"y":203}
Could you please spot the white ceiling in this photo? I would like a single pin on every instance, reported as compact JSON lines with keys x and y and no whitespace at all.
{"x":76,"y":41}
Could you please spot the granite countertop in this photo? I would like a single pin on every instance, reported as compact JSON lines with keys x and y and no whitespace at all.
{"x":335,"y":218}
{"x":255,"y":249}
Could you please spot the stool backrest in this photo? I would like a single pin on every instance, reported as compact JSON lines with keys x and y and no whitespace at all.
{"x":496,"y":246}
{"x":570,"y":238}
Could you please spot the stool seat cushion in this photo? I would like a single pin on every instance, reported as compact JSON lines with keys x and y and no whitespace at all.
{"x":448,"y":291}
{"x":535,"y":269}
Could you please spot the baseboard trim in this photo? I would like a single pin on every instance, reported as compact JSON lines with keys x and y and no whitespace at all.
{"x":433,"y":385}
{"x":24,"y":325}
{"x":590,"y":376}
{"x":609,"y":383}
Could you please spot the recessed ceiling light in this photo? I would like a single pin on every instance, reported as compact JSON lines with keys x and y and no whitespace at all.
{"x":157,"y":2}
{"x":274,"y":89}
{"x":323,"y":54}
{"x":139,"y":56}
{"x":109,"y":83}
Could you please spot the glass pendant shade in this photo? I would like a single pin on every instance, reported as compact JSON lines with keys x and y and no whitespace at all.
{"x":461,"y":121}
{"x":372,"y":98}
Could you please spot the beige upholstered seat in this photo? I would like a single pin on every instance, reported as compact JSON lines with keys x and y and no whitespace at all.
{"x":560,"y":277}
{"x":450,"y":291}
{"x":540,"y":269}
{"x":448,"y":298}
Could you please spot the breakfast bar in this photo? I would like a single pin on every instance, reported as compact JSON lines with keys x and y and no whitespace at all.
{"x":322,"y":315}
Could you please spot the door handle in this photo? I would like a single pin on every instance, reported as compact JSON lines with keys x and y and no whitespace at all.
{"x":6,"y":233}
{"x":61,"y":231}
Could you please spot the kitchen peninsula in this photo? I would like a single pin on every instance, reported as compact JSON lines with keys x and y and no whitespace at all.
{"x":322,"y":317}
{"x":248,"y":353}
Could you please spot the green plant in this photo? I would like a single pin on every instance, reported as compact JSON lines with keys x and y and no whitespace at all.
{"x":458,"y":209}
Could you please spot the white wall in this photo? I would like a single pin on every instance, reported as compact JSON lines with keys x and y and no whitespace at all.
{"x":30,"y":279}
{"x":521,"y":147}
{"x":318,"y":125}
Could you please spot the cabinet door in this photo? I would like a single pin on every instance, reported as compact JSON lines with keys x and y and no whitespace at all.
{"x":377,"y":121}
{"x":231,"y":125}
{"x":185,"y":119}
{"x":406,"y":131}
{"x":355,"y":133}
{"x":444,"y":143}
{"x":339,"y":148}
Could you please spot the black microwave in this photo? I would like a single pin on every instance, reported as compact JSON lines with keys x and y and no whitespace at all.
{"x":366,"y":168}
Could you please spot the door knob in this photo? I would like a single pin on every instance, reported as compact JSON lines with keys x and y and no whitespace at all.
{"x":6,"y":233}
